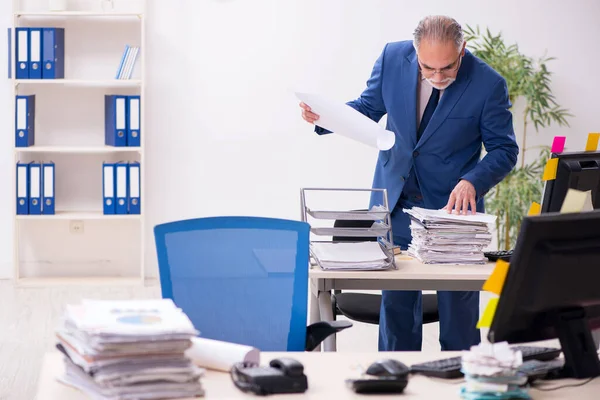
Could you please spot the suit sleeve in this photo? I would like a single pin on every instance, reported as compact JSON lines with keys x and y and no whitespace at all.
{"x":370,"y":102}
{"x":499,"y":140}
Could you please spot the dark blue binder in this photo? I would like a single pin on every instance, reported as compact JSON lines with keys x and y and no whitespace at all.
{"x":121,"y":187}
{"x":35,"y":188}
{"x":22,"y":188}
{"x":134,"y":194}
{"x":53,"y":53}
{"x":48,"y":184}
{"x":25,"y":121}
{"x":35,"y":53}
{"x":134,"y":121}
{"x":22,"y":53}
{"x":108,"y":188}
{"x":10,"y":52}
{"x":115,"y":120}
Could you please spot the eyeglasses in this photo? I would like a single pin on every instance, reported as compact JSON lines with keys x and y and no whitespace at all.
{"x":428,"y":71}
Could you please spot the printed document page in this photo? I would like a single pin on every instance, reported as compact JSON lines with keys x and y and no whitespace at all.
{"x":344,"y":120}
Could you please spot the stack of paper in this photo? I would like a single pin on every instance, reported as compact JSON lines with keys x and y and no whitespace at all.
{"x":129,"y":350}
{"x":350,"y":256}
{"x":492,"y":371}
{"x":442,"y":238}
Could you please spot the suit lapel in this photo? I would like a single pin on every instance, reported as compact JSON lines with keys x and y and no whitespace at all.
{"x":451,"y":95}
{"x":409,"y":88}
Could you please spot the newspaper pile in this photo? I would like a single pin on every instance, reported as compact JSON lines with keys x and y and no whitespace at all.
{"x":442,"y":238}
{"x":130,"y":349}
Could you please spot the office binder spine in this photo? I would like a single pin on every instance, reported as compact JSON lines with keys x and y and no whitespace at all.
{"x":24,"y":121}
{"x":122,"y":187}
{"x":134,"y":192}
{"x":35,"y":188}
{"x":115,"y":120}
{"x":22,"y":53}
{"x":133,"y":121}
{"x":22,"y":188}
{"x":53,"y":53}
{"x":10,"y":52}
{"x":35,"y":53}
{"x":48,"y":185}
{"x":108,"y":188}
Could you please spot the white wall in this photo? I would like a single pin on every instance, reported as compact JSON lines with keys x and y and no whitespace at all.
{"x":224,"y":133}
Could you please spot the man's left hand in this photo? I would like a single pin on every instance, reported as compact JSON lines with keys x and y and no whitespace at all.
{"x":461,"y":197}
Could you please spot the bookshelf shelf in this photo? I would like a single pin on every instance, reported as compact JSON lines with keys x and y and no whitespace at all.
{"x":108,"y":83}
{"x":78,"y":149}
{"x":66,"y":115}
{"x":77,"y":14}
{"x":80,"y":215}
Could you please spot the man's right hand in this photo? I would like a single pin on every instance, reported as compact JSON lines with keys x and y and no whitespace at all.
{"x":307,"y":114}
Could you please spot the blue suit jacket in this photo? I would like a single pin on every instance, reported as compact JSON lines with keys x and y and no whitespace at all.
{"x":473,"y":110}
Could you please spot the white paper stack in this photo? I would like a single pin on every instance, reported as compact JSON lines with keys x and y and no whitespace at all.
{"x":350,"y":256}
{"x":442,"y":238}
{"x":129,"y":350}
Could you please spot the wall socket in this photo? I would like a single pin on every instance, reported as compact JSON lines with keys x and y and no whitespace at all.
{"x":76,"y":226}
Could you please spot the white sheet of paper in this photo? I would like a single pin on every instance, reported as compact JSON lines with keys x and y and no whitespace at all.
{"x":577,"y":201}
{"x":219,"y":355}
{"x":344,"y":120}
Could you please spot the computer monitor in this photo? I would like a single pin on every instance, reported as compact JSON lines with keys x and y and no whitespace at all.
{"x":552,"y":289}
{"x":576,"y":170}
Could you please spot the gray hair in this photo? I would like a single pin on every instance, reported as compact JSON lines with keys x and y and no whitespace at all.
{"x":438,"y":28}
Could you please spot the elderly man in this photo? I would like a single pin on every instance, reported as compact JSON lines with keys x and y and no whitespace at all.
{"x":442,"y":103}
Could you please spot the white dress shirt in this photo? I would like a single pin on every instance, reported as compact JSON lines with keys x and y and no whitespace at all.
{"x":424,"y":90}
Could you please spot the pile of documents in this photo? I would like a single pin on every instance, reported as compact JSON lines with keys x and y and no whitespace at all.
{"x":129,"y":350}
{"x":442,"y":238}
{"x":350,"y":256}
{"x":492,"y":371}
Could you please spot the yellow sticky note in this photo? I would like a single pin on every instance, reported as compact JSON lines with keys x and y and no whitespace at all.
{"x":535,"y":209}
{"x":496,"y":280}
{"x":550,"y":169}
{"x":577,"y":201}
{"x":488,"y":314}
{"x":592,"y":142}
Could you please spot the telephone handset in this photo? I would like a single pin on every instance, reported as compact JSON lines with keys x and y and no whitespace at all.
{"x":283,"y":375}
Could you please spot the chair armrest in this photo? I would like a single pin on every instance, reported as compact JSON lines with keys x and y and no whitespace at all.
{"x":319,"y":331}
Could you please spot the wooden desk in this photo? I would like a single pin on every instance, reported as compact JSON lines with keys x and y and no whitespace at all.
{"x":410,"y":275}
{"x":326,"y":374}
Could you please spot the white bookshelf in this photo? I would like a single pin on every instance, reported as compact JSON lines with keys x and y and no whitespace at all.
{"x":52,"y":249}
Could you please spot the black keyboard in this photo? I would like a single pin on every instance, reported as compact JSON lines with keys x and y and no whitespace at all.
{"x":449,"y":368}
{"x":503,"y":255}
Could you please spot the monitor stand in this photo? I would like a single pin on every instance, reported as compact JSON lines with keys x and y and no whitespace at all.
{"x":578,"y":347}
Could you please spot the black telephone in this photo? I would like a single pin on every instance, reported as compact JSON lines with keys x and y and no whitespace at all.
{"x":283,"y":375}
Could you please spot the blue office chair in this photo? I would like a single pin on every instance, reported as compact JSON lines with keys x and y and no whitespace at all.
{"x":242,"y":280}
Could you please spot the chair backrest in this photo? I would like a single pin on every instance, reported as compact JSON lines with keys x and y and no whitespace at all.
{"x":239,"y":279}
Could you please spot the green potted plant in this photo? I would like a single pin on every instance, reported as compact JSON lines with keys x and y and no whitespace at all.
{"x":529,"y":80}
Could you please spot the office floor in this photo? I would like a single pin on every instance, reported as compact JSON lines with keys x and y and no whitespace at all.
{"x":28,"y":317}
